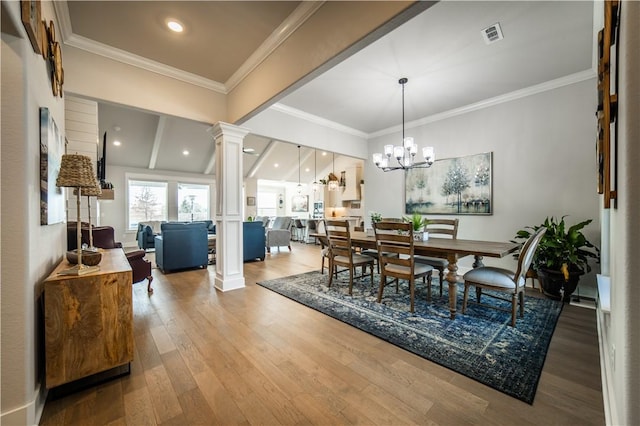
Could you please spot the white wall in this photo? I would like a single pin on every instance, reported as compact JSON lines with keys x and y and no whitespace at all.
{"x":113,"y":212}
{"x":543,"y":165}
{"x":29,"y":252}
{"x":625,"y":233}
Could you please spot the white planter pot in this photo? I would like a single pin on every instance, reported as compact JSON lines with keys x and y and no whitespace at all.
{"x":421,"y":236}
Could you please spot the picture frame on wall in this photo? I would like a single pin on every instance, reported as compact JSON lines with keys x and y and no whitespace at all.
{"x":300,"y":203}
{"x":452,"y":186}
{"x":251,"y":201}
{"x":52,"y":203}
{"x":31,"y":19}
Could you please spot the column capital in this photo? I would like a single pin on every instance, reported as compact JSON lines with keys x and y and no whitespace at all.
{"x":225,"y":129}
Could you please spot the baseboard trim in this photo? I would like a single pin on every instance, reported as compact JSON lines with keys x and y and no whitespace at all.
{"x":29,"y":413}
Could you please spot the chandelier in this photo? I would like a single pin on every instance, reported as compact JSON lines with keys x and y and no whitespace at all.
{"x":404,"y":154}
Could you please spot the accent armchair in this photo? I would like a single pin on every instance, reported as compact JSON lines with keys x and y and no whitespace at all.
{"x":279,"y":234}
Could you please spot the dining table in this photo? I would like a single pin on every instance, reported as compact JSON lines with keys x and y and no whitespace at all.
{"x":446,"y":248}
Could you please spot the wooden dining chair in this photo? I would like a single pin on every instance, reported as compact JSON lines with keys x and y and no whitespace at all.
{"x":447,"y":228}
{"x":394,"y":241}
{"x":503,"y":280}
{"x":341,"y":252}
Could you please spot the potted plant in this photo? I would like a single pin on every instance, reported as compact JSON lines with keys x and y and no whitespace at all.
{"x":418,"y":223}
{"x":562,"y":256}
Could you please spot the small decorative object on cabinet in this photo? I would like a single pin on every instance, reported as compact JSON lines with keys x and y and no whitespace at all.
{"x":88,"y":320}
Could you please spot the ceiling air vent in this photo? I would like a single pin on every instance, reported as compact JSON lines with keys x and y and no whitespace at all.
{"x":492,"y":34}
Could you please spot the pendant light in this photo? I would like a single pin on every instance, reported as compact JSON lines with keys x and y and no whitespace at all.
{"x":333,"y":182}
{"x":315,"y":185}
{"x":299,"y":184}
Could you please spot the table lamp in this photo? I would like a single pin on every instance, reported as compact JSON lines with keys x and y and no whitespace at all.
{"x":90,"y":192}
{"x":76,"y":171}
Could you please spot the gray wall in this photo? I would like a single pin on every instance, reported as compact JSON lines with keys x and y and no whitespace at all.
{"x":543,"y":165}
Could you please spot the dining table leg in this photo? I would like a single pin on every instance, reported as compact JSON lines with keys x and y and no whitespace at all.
{"x":478,"y":262}
{"x":452,"y":279}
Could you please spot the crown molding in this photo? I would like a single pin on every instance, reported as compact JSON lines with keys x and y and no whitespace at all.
{"x":508,"y":97}
{"x":303,"y":12}
{"x":317,"y":120}
{"x":119,"y":55}
{"x":298,"y":17}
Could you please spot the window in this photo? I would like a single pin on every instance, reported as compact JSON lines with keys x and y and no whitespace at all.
{"x":193,"y":202}
{"x":267,"y":203}
{"x":147,"y":201}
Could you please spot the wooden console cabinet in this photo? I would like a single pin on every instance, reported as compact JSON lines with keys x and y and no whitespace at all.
{"x":88,"y":320}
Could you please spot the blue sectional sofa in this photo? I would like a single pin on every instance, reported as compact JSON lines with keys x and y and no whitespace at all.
{"x":182,"y":246}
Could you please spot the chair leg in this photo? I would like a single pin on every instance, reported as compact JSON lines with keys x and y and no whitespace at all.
{"x":331,"y":266}
{"x":514,"y":308}
{"x":465,"y":297}
{"x":478,"y":294}
{"x":412,"y":290}
{"x":521,"y":295}
{"x":149,"y":279}
{"x":441,"y":279}
{"x":429,"y":288}
{"x":351,"y":280}
{"x":383,"y":280}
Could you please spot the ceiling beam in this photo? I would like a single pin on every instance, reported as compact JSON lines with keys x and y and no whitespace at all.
{"x":261,"y":159}
{"x":157,"y":141}
{"x":212,"y":159}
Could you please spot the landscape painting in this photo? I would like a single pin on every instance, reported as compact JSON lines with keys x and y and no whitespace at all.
{"x":51,"y":150}
{"x":459,"y":185}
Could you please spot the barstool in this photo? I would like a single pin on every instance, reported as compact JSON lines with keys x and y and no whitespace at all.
{"x":298,"y":227}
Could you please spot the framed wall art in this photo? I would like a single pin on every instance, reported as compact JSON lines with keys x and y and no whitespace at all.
{"x":30,"y":14}
{"x":251,"y":201}
{"x":51,"y":150}
{"x":300,"y":203}
{"x":607,"y":104}
{"x":461,"y":185}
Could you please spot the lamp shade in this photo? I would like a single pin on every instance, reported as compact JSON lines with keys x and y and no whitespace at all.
{"x":76,"y":171}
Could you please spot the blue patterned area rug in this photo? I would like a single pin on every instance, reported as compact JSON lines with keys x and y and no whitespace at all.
{"x":480,"y":344}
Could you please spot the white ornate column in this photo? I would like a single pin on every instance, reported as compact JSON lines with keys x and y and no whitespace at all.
{"x":229,"y":267}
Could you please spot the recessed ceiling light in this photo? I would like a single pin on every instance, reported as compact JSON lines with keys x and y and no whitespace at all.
{"x":276,"y":165}
{"x":117,"y":143}
{"x":185,"y":152}
{"x":307,"y":170}
{"x":175,"y":26}
{"x":324,"y":153}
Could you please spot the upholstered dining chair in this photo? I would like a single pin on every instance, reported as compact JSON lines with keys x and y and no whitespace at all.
{"x":341,"y":252}
{"x":503,"y":280}
{"x":439,"y":227}
{"x":394,"y":241}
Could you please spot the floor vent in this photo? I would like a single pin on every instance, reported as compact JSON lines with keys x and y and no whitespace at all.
{"x":492,"y":34}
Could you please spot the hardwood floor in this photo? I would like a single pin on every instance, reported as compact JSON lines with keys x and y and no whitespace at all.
{"x":251,"y":356}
